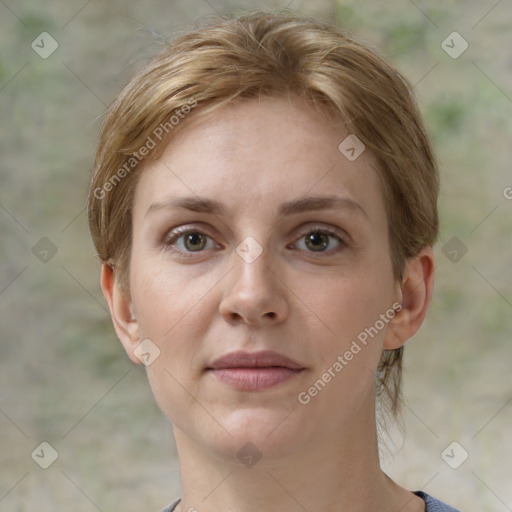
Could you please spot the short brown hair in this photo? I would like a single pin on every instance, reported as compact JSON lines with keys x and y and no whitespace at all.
{"x":270,"y":54}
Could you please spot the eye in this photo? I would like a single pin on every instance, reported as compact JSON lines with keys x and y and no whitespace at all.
{"x":189,"y":240}
{"x":320,"y":240}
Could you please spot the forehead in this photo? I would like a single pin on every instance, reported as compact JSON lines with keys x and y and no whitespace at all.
{"x":263,"y":151}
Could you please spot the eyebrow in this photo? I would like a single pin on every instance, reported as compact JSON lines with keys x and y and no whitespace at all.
{"x":310,"y":203}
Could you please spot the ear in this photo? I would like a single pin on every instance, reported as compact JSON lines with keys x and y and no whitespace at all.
{"x":414,"y":293}
{"x":121,"y":311}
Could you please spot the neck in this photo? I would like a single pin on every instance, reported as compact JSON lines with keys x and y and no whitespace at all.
{"x":339,"y":472}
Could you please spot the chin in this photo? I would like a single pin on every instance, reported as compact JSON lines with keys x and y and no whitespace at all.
{"x":259,"y":433}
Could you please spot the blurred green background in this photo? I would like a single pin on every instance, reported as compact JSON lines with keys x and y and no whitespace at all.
{"x":64,"y":377}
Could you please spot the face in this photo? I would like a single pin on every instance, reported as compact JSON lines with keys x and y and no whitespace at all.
{"x":264,"y":268}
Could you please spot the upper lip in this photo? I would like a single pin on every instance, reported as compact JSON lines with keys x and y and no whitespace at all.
{"x":262,"y":359}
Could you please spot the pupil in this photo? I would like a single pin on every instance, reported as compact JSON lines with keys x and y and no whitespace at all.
{"x":193,"y":240}
{"x":318,"y":238}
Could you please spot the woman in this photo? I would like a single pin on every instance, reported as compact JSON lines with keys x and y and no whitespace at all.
{"x":264,"y":205}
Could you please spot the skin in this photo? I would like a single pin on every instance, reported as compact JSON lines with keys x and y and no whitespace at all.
{"x":304,"y":303}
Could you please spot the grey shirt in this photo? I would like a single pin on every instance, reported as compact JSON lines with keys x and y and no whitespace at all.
{"x":431,"y":504}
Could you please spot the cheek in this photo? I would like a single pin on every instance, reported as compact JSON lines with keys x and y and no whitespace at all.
{"x":349,"y":308}
{"x":343,"y":304}
{"x":171,"y":313}
{"x":158,"y":302}
{"x":173,"y":310}
{"x":346,"y":336}
{"x":161,"y":292}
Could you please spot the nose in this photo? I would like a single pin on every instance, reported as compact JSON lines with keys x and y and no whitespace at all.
{"x":254,"y":294}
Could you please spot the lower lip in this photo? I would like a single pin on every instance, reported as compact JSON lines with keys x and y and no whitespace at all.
{"x":253,"y":379}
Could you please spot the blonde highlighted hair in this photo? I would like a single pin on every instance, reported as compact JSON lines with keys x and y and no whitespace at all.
{"x":270,"y":54}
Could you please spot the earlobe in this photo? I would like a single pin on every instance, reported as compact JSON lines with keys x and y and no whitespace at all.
{"x":415,"y":295}
{"x":121,"y":311}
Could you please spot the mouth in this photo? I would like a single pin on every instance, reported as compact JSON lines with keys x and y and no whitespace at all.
{"x":254,"y":371}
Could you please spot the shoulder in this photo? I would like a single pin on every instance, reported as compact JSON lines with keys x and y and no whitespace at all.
{"x":434,"y":505}
{"x":171,"y":507}
{"x":431,"y":504}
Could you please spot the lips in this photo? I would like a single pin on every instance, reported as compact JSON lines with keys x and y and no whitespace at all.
{"x":254,"y":371}
{"x":263,"y":359}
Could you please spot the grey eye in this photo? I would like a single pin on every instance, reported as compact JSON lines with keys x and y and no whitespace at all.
{"x":194,"y":241}
{"x":319,"y":241}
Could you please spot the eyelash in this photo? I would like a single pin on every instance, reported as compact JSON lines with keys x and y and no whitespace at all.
{"x":173,"y":237}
